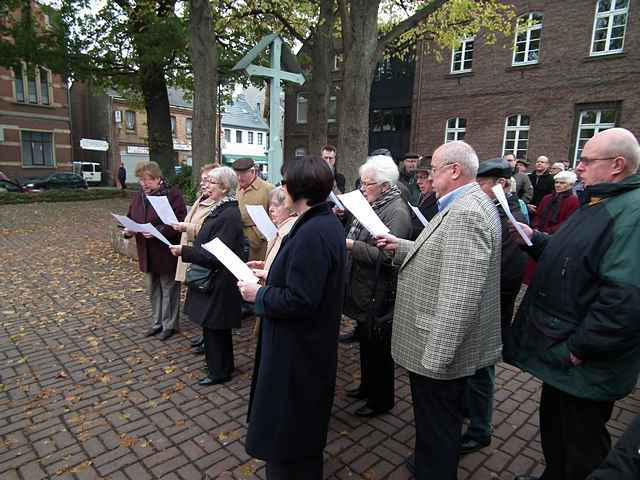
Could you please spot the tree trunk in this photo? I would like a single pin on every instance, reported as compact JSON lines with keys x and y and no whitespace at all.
{"x":360,"y":41}
{"x":322,"y":52}
{"x":156,"y":102}
{"x":204,"y":60}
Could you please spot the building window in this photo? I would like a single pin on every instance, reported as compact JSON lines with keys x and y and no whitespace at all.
{"x":516,"y":136}
{"x":300,"y":152}
{"x":302,"y":108}
{"x":332,"y":109}
{"x":526,"y":49}
{"x":44,"y":86}
{"x":250,"y":138}
{"x":259,"y":138}
{"x":456,"y":129}
{"x":189,"y":127}
{"x":390,"y":120}
{"x":173,"y":126}
{"x":37,"y":149}
{"x":609,"y":26}
{"x":130,"y":120}
{"x":238,"y":136}
{"x":591,"y":122}
{"x":227,"y":135}
{"x":462,"y":56}
{"x":337,"y":61}
{"x":19,"y":83}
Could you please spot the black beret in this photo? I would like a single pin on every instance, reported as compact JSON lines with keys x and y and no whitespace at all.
{"x":496,"y":167}
{"x":243,"y":164}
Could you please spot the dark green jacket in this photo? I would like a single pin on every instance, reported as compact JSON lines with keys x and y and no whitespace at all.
{"x":585,"y":298}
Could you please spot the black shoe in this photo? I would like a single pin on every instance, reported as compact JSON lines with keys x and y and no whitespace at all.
{"x":469,"y":445}
{"x":207,"y":381}
{"x":197,"y":341}
{"x":410,"y":463}
{"x":199,"y":350}
{"x":368,"y":412}
{"x":167,"y":334}
{"x":348,"y":337}
{"x":153,"y":331}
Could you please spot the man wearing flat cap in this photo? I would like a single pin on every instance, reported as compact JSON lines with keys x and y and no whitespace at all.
{"x":480,"y":387}
{"x":408,"y":175}
{"x":427,"y":201}
{"x":252,"y":190}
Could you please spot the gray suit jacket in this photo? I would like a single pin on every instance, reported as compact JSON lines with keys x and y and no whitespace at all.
{"x":447,"y":314}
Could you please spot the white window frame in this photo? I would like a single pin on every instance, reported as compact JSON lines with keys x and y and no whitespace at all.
{"x":126,"y":120}
{"x":53,"y":148}
{"x":227,"y":134}
{"x":524,"y":24}
{"x":260,"y":138}
{"x":188,"y":127}
{"x":24,"y":79}
{"x":464,"y":51}
{"x":337,"y":62}
{"x":518,"y":129}
{"x":174,"y":126}
{"x":239,"y":135}
{"x":332,"y":100}
{"x":299,"y":152}
{"x":457,"y":130}
{"x":302,"y":106}
{"x":597,"y":127}
{"x":250,"y":136}
{"x":609,"y":15}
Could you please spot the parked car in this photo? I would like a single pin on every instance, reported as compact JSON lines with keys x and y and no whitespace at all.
{"x":7,"y":185}
{"x":57,"y":180}
{"x":90,"y":171}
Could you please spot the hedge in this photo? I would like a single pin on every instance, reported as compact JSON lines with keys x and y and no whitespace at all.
{"x":8,"y":198}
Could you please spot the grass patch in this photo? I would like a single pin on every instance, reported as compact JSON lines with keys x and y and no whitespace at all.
{"x":51,"y":196}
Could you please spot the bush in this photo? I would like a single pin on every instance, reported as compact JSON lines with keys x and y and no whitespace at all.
{"x":183,"y":181}
{"x":61,"y":196}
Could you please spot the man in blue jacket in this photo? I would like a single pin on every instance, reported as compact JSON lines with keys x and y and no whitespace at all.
{"x":578,"y":328}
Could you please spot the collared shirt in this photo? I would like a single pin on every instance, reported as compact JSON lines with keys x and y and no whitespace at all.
{"x":451,"y":197}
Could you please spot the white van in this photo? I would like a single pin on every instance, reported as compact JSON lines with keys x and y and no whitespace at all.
{"x":91,"y":172}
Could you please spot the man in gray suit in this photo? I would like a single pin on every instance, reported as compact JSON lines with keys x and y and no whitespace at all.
{"x":446,"y":321}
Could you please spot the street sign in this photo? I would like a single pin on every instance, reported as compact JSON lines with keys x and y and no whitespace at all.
{"x":90,"y":144}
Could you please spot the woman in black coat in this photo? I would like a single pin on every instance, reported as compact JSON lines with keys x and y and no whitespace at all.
{"x":296,"y":359}
{"x":218,"y":309}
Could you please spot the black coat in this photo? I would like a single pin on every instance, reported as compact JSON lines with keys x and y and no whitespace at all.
{"x":296,"y":358}
{"x":623,"y":461}
{"x":219,"y":309}
{"x":542,"y":185}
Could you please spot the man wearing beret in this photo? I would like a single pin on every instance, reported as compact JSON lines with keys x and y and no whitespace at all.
{"x":480,"y":387}
{"x":252,"y":190}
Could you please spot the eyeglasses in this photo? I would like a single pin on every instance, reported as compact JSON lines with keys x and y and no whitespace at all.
{"x":588,"y":161}
{"x":437,"y":169}
{"x":364,"y":185}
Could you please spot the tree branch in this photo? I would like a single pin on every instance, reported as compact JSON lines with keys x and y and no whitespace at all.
{"x":347,"y":37}
{"x":407,"y":25}
{"x":282,"y":19}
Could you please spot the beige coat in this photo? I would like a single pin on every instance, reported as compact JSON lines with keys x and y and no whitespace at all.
{"x":274,"y":245}
{"x":194,"y":220}
{"x":255,"y":194}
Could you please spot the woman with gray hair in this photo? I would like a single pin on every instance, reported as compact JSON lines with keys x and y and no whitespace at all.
{"x":556,"y":207}
{"x":214,"y":303}
{"x":369,"y":287}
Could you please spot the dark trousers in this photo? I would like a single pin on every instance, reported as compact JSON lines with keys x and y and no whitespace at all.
{"x":573,"y":433}
{"x":378,"y":380}
{"x":307,"y":469}
{"x":437,"y":408}
{"x":218,"y":350}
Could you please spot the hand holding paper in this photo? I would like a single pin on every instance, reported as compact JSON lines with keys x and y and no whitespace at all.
{"x":163,"y":208}
{"x":502,"y":199}
{"x":144,"y":228}
{"x":230,"y":260}
{"x":360,"y":208}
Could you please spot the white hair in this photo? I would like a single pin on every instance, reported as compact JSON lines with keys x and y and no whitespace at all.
{"x":381,"y":169}
{"x":566,"y":176}
{"x":227,"y":178}
{"x":559,"y":165}
{"x":462,"y":153}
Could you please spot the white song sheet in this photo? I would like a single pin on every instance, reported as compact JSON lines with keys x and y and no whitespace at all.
{"x":260,"y":217}
{"x":499,"y":193}
{"x":419,"y":214}
{"x":162,"y":207}
{"x":132,"y":226}
{"x":336,"y":202}
{"x":360,"y":208}
{"x":230,"y":260}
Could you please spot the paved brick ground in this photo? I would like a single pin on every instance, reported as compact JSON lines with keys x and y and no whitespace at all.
{"x":83,"y":395}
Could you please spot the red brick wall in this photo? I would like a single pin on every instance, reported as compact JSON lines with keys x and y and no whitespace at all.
{"x":549,"y":92}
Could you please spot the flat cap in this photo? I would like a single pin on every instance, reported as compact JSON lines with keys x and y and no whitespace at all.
{"x":496,"y":167}
{"x":243,"y":164}
{"x":410,"y":155}
{"x":523,"y":161}
{"x":424,"y":165}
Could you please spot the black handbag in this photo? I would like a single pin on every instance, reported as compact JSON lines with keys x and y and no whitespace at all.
{"x":199,"y":278}
{"x":382,"y":302}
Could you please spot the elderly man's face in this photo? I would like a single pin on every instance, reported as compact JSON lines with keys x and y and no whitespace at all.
{"x":511,"y":160}
{"x":443,"y":181}
{"x":410,"y":164}
{"x":246,"y":177}
{"x":542,"y":163}
{"x":597,"y":164}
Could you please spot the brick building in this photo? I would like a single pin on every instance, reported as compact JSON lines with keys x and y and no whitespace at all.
{"x":35,"y":125}
{"x":570,"y":69}
{"x":110,"y":117}
{"x":389,"y":110}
